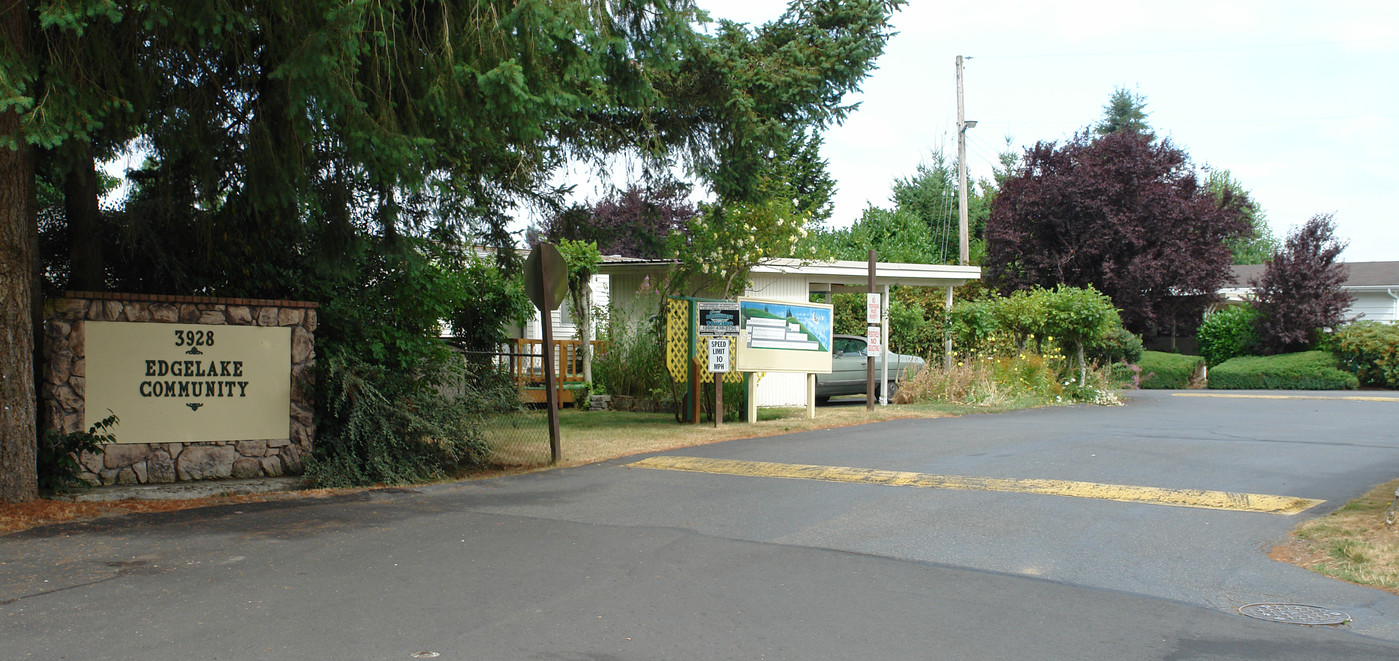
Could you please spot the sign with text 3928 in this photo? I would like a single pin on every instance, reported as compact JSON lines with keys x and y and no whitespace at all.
{"x":183,"y":382}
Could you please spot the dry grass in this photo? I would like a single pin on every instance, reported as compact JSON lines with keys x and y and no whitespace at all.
{"x":588,"y":437}
{"x":1352,"y":544}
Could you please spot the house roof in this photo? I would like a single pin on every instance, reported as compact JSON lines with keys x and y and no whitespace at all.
{"x":1362,"y":275}
{"x":840,"y":272}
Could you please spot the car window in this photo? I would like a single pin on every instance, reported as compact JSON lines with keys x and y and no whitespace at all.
{"x":849,"y":346}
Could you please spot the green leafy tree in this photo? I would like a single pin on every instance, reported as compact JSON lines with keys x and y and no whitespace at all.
{"x":1257,"y":244}
{"x":582,"y":259}
{"x":896,"y":236}
{"x":496,"y":298}
{"x":724,"y":242}
{"x":1025,"y":314}
{"x":972,"y":323}
{"x":1078,"y":317}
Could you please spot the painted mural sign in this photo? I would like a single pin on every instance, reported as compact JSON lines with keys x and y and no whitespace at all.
{"x":179,"y":383}
{"x":784,"y":336}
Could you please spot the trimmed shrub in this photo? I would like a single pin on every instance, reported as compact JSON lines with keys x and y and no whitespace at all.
{"x":1308,"y":370}
{"x":1168,"y":370}
{"x":1119,"y":345}
{"x":1229,"y":333}
{"x":1370,"y":350}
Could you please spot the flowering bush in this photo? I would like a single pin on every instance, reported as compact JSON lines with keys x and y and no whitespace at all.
{"x":1020,"y":377}
{"x":724,"y":242}
{"x":1369,"y":349}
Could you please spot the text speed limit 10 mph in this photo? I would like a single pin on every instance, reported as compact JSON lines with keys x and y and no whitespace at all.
{"x":719,"y":355}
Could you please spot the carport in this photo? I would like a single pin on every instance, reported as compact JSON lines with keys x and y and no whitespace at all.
{"x":792,"y":280}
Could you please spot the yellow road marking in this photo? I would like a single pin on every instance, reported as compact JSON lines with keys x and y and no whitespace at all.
{"x":1353,"y":398}
{"x":1216,"y":500}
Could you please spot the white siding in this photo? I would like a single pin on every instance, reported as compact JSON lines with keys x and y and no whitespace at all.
{"x":776,"y":389}
{"x":1373,"y":305}
{"x":629,"y":301}
{"x":565,"y":328}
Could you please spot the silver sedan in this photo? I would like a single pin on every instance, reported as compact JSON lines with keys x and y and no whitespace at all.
{"x":847,"y":377}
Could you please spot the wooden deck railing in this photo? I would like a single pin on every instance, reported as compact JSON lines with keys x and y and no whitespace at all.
{"x":527,"y":361}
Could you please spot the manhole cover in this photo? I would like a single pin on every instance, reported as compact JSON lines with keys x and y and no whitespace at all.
{"x":1294,"y":614}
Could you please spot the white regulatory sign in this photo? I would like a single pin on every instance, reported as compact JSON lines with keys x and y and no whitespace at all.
{"x":719,"y":354}
{"x":875,"y":339}
{"x":871,"y":308}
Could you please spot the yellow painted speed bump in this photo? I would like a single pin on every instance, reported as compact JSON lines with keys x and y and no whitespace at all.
{"x":1349,"y":398}
{"x":1215,"y":500}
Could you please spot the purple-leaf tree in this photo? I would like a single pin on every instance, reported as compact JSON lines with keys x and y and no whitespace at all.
{"x":1300,"y":292}
{"x":1122,"y":213}
{"x":635,"y":222}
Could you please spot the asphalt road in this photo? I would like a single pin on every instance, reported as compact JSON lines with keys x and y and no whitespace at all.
{"x":620,"y":561}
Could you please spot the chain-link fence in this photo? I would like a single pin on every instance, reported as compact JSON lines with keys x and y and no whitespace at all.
{"x":518,"y":438}
{"x":517,"y":434}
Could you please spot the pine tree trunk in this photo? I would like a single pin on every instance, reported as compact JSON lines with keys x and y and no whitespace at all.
{"x":80,"y":190}
{"x":18,"y":236}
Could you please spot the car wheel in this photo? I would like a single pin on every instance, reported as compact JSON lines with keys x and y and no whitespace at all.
{"x":892,"y":387}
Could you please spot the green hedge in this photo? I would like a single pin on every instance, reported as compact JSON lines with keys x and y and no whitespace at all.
{"x":1308,"y":370}
{"x":1228,"y":333}
{"x":1371,"y":350}
{"x":1167,"y":370}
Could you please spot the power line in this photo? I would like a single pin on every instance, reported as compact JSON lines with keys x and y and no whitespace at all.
{"x":1177,"y":51}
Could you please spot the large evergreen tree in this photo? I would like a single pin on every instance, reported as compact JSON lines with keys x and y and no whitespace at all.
{"x":293,"y":147}
{"x":1125,"y":111}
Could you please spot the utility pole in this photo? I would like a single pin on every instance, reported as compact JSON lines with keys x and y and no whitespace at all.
{"x":962,"y":125}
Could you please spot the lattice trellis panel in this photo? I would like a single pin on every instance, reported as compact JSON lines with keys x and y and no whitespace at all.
{"x":731,"y":376}
{"x":677,"y":339}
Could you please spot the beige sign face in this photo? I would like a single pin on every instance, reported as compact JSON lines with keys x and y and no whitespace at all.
{"x":177,"y":382}
{"x":784,"y":336}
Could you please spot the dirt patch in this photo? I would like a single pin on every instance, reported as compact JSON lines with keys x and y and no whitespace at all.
{"x":15,"y":517}
{"x":1352,"y":544}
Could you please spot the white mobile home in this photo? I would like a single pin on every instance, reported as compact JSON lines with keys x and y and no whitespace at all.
{"x":634,"y":281}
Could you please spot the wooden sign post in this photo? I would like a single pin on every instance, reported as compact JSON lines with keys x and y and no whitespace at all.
{"x":546,"y":285}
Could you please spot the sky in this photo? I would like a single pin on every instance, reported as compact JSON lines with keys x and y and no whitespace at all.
{"x":1299,"y":101}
